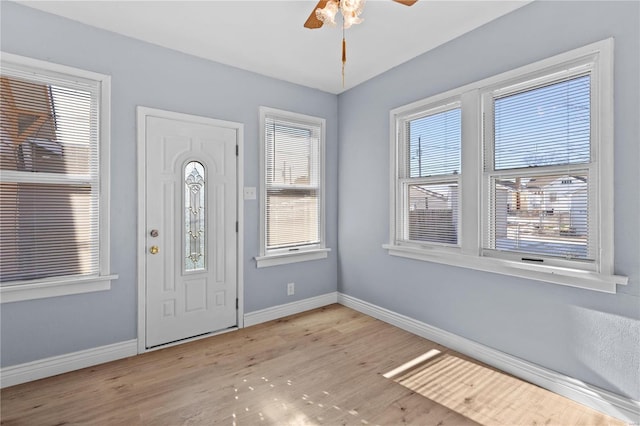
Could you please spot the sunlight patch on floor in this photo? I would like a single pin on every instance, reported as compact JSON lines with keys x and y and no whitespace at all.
{"x":262,"y":401}
{"x":485,"y":395}
{"x":412,"y":364}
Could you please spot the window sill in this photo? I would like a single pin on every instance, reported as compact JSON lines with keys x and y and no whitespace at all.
{"x":291,"y":257}
{"x":40,"y":289}
{"x":551,"y":274}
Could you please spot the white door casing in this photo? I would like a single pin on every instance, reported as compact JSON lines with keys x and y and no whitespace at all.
{"x":186,"y":298}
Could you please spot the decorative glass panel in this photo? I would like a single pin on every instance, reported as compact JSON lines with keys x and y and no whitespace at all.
{"x":194,"y":213}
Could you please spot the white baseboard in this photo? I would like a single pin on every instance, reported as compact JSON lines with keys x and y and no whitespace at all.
{"x":599,"y":399}
{"x":22,"y":373}
{"x":280,"y":311}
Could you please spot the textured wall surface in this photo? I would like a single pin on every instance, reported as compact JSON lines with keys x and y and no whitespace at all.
{"x":148,"y":75}
{"x":591,"y":336}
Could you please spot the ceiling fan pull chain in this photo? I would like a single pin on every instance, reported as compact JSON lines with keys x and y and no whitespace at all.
{"x":344,"y":54}
{"x":344,"y":57}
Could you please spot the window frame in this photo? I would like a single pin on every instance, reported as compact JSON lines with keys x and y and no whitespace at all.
{"x":301,"y":253}
{"x":474,"y":189}
{"x":60,"y":286}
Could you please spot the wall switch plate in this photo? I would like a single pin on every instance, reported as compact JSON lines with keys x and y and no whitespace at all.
{"x":249,"y":192}
{"x":291,"y":289}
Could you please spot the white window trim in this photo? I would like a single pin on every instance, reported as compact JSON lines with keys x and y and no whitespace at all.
{"x":61,"y":286}
{"x":294,"y":257}
{"x":469,"y":255}
{"x":302,"y":253}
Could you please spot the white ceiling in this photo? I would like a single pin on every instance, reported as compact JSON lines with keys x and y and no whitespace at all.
{"x":268,"y":37}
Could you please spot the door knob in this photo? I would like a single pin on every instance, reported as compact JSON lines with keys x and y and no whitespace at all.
{"x":154,"y":250}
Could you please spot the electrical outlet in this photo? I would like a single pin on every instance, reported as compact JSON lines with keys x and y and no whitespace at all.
{"x":291,"y":289}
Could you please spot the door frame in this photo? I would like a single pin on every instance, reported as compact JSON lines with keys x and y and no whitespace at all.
{"x":142,"y":113}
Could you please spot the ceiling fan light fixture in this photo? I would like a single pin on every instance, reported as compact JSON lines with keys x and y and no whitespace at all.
{"x":352,"y":7}
{"x":350,"y":10}
{"x":351,"y":19}
{"x":327,"y":14}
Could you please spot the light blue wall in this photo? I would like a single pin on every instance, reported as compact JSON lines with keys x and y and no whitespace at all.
{"x":144,"y":74}
{"x":591,"y":336}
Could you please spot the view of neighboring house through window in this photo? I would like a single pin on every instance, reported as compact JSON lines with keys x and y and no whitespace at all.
{"x":293,"y":176}
{"x":49,"y":187}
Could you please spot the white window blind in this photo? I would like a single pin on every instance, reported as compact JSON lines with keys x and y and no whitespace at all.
{"x":540,"y":172}
{"x":434,"y":144}
{"x":49,"y":183}
{"x":292,"y":183}
{"x":544,"y":126}
{"x":430,"y":181}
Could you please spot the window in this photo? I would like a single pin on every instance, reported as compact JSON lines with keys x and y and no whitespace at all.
{"x":538,"y":167}
{"x":512,"y":174}
{"x":430,"y":176}
{"x":292,"y":192}
{"x":53,"y":186}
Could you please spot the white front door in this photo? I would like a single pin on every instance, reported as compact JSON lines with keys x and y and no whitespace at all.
{"x":191,"y":198}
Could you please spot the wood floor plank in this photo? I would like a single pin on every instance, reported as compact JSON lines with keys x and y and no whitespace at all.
{"x":323,"y":367}
{"x":412,"y":410}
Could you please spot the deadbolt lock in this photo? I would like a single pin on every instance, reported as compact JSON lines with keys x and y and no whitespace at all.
{"x":154,"y":233}
{"x":154,"y":250}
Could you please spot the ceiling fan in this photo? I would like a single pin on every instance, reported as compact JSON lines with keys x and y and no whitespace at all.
{"x":314,"y":21}
{"x":326,"y":11}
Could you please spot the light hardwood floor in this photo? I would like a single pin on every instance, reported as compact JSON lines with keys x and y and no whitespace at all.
{"x":326,"y":366}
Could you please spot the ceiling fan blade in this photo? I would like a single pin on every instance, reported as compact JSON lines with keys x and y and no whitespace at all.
{"x":406,"y":2}
{"x":312,"y":21}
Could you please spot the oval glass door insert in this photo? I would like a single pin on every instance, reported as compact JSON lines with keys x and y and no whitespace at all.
{"x":194,"y":213}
